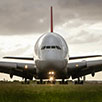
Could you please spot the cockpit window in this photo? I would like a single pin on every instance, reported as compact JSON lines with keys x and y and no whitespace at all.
{"x":58,"y":47}
{"x":50,"y":47}
{"x":43,"y":48}
{"x":53,"y":47}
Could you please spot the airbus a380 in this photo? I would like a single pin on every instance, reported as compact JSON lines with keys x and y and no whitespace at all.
{"x":51,"y":61}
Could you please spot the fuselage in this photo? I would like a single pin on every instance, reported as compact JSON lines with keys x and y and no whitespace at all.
{"x":51,"y":54}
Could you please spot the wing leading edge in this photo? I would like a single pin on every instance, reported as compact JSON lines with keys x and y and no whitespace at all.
{"x":70,"y":58}
{"x":19,"y":58}
{"x":80,"y":57}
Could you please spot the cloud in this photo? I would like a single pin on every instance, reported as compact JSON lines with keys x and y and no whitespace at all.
{"x":27,"y":17}
{"x":17,"y":45}
{"x":21,"y":17}
{"x":85,"y":37}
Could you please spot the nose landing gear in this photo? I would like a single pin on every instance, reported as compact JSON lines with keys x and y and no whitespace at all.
{"x":51,"y":77}
{"x":79,"y":81}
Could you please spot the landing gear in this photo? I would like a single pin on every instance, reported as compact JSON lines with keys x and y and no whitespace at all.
{"x":26,"y":81}
{"x":79,"y":81}
{"x":51,"y":82}
{"x":63,"y":81}
{"x":41,"y":81}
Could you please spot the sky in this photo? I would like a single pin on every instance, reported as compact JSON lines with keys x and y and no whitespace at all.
{"x":22,"y":22}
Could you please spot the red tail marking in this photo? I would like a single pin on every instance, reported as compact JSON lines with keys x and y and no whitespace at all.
{"x":51,"y":19}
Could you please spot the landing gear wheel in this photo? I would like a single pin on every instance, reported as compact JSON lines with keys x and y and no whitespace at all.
{"x":26,"y":81}
{"x":78,"y":82}
{"x":54,"y":82}
{"x":63,"y":81}
{"x":41,"y":81}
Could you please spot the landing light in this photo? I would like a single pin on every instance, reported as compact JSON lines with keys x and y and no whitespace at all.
{"x":51,"y":78}
{"x":26,"y":67}
{"x":51,"y":73}
{"x":77,"y":65}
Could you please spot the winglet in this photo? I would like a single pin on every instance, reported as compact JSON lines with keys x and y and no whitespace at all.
{"x":51,"y":19}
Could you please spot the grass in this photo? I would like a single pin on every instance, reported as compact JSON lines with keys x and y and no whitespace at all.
{"x":17,"y":92}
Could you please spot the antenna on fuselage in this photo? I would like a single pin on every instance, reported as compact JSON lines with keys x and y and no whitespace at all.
{"x":51,"y":19}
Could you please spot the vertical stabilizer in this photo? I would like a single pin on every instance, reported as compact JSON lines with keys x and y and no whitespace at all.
{"x":51,"y":19}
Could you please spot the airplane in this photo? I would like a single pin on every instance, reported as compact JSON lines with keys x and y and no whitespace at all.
{"x":51,"y":61}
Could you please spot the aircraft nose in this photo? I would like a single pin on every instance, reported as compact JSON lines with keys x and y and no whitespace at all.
{"x":51,"y":55}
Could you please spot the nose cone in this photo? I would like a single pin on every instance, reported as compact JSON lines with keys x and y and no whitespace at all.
{"x":51,"y":55}
{"x":51,"y":40}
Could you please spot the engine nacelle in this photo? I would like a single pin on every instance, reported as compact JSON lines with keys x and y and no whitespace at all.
{"x":11,"y":76}
{"x":11,"y":73}
{"x":93,"y":74}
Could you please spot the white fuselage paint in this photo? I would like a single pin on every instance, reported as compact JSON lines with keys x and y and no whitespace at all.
{"x":50,"y":51}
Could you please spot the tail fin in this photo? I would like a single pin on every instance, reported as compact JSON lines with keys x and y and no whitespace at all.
{"x":51,"y":19}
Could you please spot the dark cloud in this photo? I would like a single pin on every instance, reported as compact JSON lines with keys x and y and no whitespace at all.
{"x":85,"y":9}
{"x":32,"y":16}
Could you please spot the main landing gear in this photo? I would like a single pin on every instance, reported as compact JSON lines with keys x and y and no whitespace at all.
{"x":63,"y":81}
{"x":79,"y":81}
{"x":26,"y":81}
{"x":41,"y":81}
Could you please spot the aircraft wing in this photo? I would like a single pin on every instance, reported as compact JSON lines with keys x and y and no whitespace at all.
{"x":79,"y":69}
{"x":24,"y":70}
{"x":70,"y":58}
{"x":20,"y":58}
{"x":80,"y":57}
